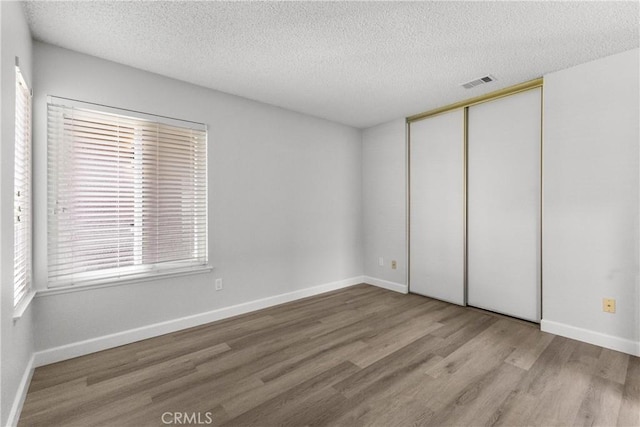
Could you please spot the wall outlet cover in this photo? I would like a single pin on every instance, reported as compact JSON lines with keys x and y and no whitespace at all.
{"x":609,"y":305}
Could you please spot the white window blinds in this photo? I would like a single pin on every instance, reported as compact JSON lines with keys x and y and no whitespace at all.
{"x":127,"y":194}
{"x":22,"y":193}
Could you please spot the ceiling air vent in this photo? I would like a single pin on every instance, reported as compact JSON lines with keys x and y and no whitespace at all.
{"x":479,"y":81}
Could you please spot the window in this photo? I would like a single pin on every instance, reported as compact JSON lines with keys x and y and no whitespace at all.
{"x":127,"y":194}
{"x":22,"y":194}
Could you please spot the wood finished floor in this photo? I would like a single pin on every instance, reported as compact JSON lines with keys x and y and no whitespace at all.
{"x":359,"y":356}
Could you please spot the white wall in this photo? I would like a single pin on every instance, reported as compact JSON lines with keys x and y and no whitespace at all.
{"x":284,"y":200}
{"x":384,"y":201}
{"x":591,"y":206}
{"x":16,"y":338}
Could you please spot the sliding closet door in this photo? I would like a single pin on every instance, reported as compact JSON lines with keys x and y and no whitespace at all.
{"x":436,"y":243}
{"x":504,"y":205}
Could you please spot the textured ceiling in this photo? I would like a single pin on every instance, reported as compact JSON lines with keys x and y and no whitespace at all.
{"x":358,"y":63}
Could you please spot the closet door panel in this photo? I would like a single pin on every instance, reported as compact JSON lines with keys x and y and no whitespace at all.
{"x":436,"y":238}
{"x":504,"y":205}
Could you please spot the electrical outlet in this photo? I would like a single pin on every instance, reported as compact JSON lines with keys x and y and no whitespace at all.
{"x":608,"y":305}
{"x":218,"y":284}
{"x":380,"y":261}
{"x":394,"y":265}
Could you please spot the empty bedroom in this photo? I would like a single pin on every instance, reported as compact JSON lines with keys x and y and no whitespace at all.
{"x":310,"y":213}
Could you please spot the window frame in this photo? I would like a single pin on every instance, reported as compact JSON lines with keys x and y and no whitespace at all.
{"x":138,"y":272}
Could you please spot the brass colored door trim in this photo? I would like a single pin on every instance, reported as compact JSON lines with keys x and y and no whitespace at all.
{"x":478,"y":99}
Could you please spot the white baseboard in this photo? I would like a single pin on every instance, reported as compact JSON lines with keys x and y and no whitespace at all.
{"x":21,"y":394}
{"x":592,"y":337}
{"x":392,"y":286}
{"x":69,"y":351}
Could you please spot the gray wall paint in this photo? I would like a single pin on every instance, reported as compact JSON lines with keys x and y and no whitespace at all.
{"x":590,"y":247}
{"x":16,"y":339}
{"x":284,"y":200}
{"x":384,"y":192}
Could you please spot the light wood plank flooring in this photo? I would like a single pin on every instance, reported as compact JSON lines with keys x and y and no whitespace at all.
{"x":354,"y":357}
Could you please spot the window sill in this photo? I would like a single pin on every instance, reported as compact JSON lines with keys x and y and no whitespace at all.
{"x":110,"y":282}
{"x":19,"y":310}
